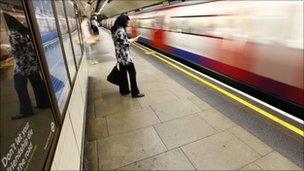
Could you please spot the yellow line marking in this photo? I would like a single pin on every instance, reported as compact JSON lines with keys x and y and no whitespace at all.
{"x":215,"y":87}
{"x":149,"y":53}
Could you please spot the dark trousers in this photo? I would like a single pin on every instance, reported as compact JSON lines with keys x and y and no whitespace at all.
{"x":42,"y":99}
{"x":124,"y":85}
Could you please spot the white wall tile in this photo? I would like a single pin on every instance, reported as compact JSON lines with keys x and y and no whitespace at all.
{"x":67,"y":154}
{"x":76,"y":110}
{"x":83,"y":78}
{"x":70,"y":154}
{"x":62,"y":138}
{"x":54,"y":167}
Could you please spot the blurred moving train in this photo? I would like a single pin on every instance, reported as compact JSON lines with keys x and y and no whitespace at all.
{"x":256,"y":46}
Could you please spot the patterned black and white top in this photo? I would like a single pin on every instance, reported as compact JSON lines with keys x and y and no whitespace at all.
{"x":122,"y":46}
{"x":25,"y":58}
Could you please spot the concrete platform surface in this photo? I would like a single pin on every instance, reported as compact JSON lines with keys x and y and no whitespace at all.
{"x":168,"y":129}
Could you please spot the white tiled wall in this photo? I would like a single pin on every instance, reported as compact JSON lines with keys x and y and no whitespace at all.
{"x":75,"y":107}
{"x":69,"y":148}
{"x":54,"y":167}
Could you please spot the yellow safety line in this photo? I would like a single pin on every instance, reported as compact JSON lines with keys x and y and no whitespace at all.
{"x":239,"y":99}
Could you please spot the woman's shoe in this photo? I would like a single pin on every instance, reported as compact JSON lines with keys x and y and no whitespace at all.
{"x":123,"y":94}
{"x":92,"y":62}
{"x":20,"y":116}
{"x":138,"y":95}
{"x":95,"y":62}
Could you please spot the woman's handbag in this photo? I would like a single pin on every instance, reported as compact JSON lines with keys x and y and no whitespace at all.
{"x":114,"y":76}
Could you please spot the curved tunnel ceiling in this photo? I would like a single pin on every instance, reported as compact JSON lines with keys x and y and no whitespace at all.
{"x":115,"y":7}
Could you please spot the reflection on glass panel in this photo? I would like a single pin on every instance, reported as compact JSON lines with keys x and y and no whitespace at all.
{"x":27,"y":123}
{"x":78,"y":16}
{"x":65,"y":37}
{"x":74,"y":31}
{"x":53,"y":52}
{"x":80,"y":35}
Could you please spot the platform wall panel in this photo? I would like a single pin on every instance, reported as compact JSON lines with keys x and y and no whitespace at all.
{"x":69,"y":148}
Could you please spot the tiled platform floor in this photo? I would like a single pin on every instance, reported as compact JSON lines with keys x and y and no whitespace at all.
{"x":168,"y":129}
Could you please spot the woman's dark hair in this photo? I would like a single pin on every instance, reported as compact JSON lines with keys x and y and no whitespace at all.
{"x":121,"y":21}
{"x":14,"y":24}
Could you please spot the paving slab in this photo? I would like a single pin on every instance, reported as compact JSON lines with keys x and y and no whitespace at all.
{"x":275,"y":161}
{"x":154,"y":87}
{"x":115,"y":104}
{"x":91,"y":162}
{"x":200,"y":103}
{"x":251,"y":140}
{"x":97,"y":129}
{"x":157,"y":98}
{"x":217,"y":119}
{"x":131,"y":120}
{"x":174,"y":109}
{"x":221,"y":151}
{"x":117,"y":151}
{"x":182,"y":93}
{"x":251,"y":166}
{"x":183,"y":131}
{"x":171,"y":160}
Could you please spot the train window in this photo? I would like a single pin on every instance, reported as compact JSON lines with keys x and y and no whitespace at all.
{"x":53,"y":52}
{"x":273,"y":23}
{"x":185,"y":25}
{"x":178,"y":25}
{"x":158,"y":23}
{"x":224,"y":26}
{"x":74,"y":31}
{"x":27,"y":122}
{"x":173,"y":26}
{"x":197,"y":25}
{"x":141,"y":23}
{"x":166,"y":25}
{"x":137,"y":23}
{"x":132,"y":22}
{"x":146,"y":23}
{"x":296,"y":34}
{"x":66,"y":39}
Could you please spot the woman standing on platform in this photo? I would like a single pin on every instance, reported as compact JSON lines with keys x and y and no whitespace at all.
{"x":125,"y":61}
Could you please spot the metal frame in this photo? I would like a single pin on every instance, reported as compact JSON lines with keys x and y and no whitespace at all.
{"x":61,"y":43}
{"x":77,"y":11}
{"x":70,"y":35}
{"x":68,"y":24}
{"x":80,"y":32}
{"x":43,"y":58}
{"x":37,"y":42}
{"x":81,"y":37}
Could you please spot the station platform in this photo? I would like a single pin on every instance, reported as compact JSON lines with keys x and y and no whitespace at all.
{"x":181,"y":124}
